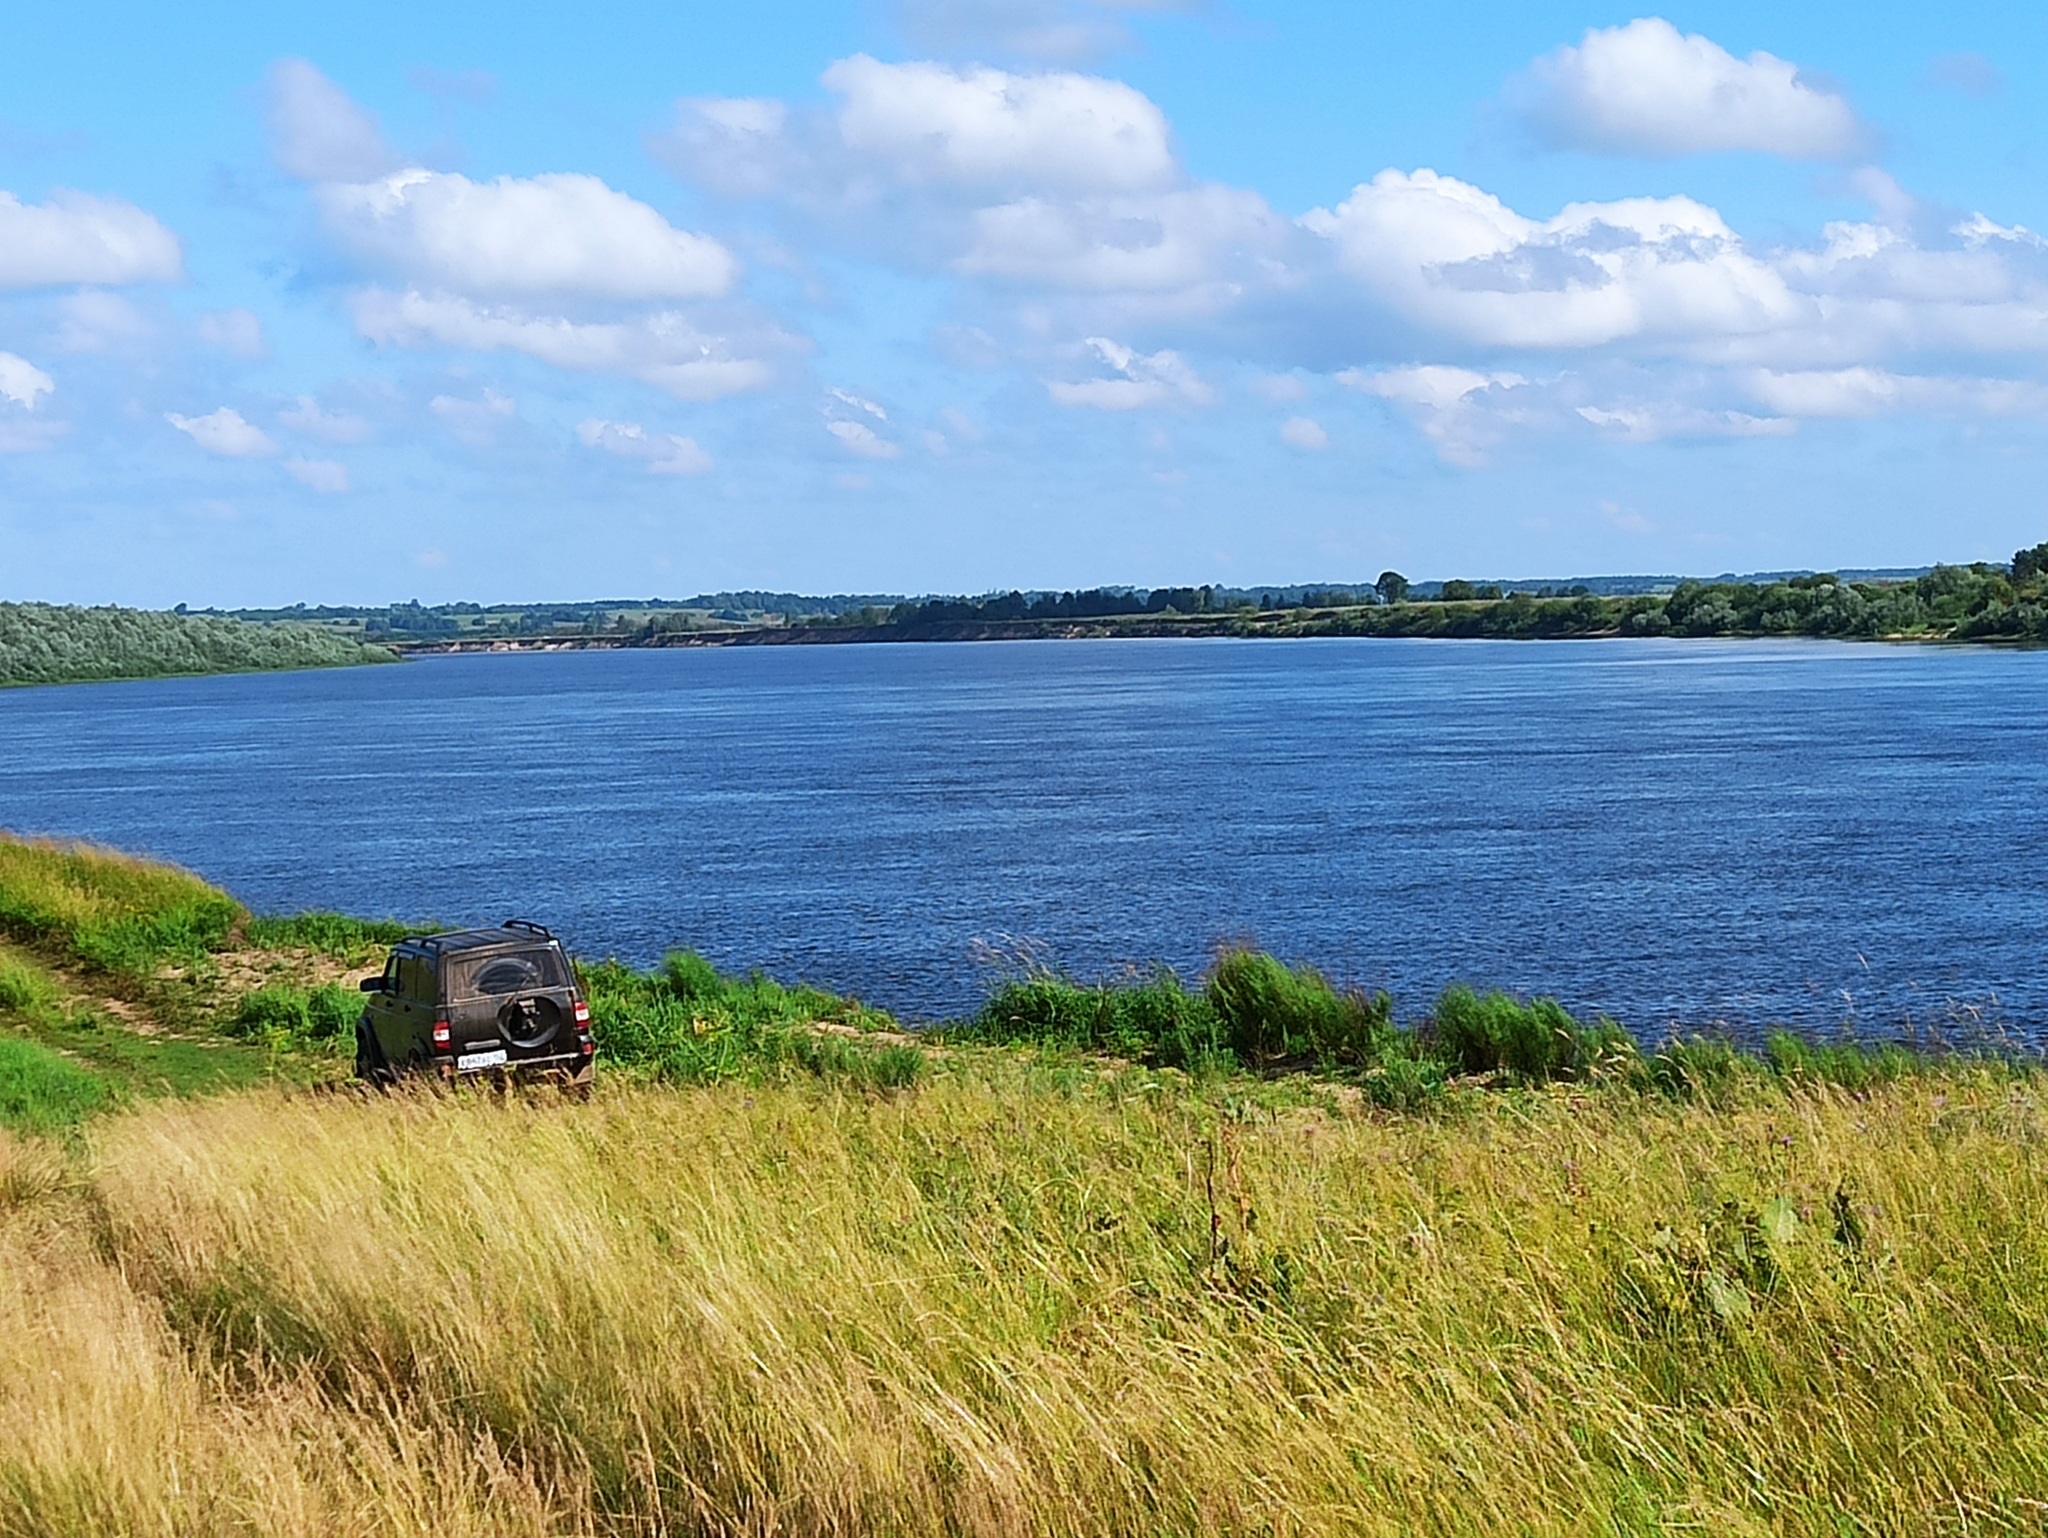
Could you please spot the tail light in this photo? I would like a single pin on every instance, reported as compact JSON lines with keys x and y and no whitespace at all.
{"x":582,"y":1012}
{"x":441,"y":1035}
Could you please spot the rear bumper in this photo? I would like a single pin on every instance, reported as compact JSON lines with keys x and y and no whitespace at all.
{"x":566,"y":1067}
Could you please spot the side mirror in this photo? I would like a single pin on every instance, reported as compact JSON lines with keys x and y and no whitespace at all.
{"x":372,"y":984}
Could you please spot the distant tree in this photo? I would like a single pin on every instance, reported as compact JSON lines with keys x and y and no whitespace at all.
{"x":1457,"y":590}
{"x":2029,"y":564}
{"x":1392,"y":587}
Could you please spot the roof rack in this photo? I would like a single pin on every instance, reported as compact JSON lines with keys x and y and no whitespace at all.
{"x":528,"y":927}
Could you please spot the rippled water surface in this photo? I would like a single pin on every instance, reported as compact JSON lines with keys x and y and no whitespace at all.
{"x":1698,"y":831}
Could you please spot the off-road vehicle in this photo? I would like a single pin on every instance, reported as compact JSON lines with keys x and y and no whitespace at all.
{"x":477,"y":1001}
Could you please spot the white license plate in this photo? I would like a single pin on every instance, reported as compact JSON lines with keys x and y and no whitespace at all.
{"x":492,"y":1059}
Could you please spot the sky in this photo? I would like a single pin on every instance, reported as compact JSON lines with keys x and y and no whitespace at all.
{"x":370,"y":303}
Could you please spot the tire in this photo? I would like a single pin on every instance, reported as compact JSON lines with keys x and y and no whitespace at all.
{"x":370,"y":1065}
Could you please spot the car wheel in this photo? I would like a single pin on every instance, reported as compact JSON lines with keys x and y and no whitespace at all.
{"x":370,"y":1065}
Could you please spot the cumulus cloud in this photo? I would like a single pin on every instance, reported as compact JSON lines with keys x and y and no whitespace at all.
{"x":523,"y":236}
{"x":1867,"y":392}
{"x":664,"y":349}
{"x":75,"y":237}
{"x":664,"y":453}
{"x":224,"y":432}
{"x":1052,"y":179}
{"x":315,"y":421}
{"x":316,"y":132}
{"x":22,"y":382}
{"x":990,"y":128}
{"x":1647,"y":89}
{"x":325,"y":476}
{"x":1304,"y":433}
{"x":863,"y":440}
{"x":237,"y":332}
{"x":1160,"y":379}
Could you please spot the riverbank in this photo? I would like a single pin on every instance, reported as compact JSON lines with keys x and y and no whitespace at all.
{"x":1949,"y":604}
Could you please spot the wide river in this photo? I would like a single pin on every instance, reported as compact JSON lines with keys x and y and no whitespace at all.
{"x":1673,"y":832}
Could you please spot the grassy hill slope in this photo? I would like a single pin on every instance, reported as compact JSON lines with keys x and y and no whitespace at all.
{"x":790,"y":1272}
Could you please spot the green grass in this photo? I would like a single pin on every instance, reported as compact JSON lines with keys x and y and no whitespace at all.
{"x":350,"y":940}
{"x":109,"y":912}
{"x":683,"y":1023}
{"x":42,"y":1091}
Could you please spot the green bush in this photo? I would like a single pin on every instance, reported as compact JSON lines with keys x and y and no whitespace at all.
{"x":1152,"y":1020}
{"x":284,"y":1015}
{"x":1271,"y":1011}
{"x":1534,"y":1040}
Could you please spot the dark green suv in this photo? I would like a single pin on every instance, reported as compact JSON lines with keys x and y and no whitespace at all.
{"x":492,"y":1001}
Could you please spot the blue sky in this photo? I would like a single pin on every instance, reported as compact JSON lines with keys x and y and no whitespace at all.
{"x":459,"y":301}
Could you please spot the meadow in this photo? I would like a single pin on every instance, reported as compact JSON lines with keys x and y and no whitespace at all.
{"x":1143,"y":1258}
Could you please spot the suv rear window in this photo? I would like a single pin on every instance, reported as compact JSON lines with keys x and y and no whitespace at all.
{"x":512,"y":972}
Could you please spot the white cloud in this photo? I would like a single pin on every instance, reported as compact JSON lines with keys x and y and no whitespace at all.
{"x":1437,"y":386}
{"x":1161,"y":379}
{"x":522,"y":236}
{"x":22,"y":382}
{"x":1281,"y":388}
{"x":862,"y":439}
{"x":316,"y":133}
{"x":78,"y":238}
{"x":322,"y":475}
{"x":1647,"y":89}
{"x":1459,"y":262}
{"x":987,"y":127}
{"x":224,"y":432}
{"x":1656,"y":422}
{"x":310,"y":418}
{"x":237,"y":332}
{"x":859,"y":403}
{"x":664,"y":453}
{"x":1462,"y":411}
{"x":1304,"y":433}
{"x":1867,"y":392}
{"x":1182,"y":239}
{"x":661,"y":349}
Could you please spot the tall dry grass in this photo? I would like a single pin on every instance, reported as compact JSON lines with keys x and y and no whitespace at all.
{"x":998,"y":1307}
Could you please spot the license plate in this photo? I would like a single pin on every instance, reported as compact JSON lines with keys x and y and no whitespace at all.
{"x":492,"y":1059}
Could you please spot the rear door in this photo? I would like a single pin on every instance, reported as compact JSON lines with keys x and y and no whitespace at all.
{"x":520,"y":999}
